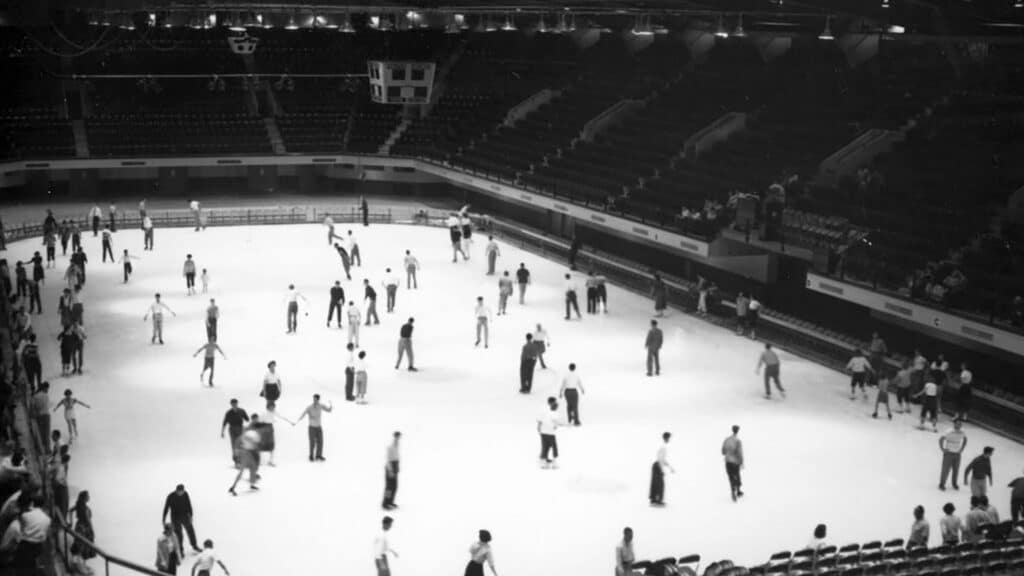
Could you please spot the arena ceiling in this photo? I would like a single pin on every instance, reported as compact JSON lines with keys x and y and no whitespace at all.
{"x":945,"y":17}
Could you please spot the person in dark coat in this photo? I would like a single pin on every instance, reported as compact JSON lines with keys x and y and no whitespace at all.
{"x":179,"y":506}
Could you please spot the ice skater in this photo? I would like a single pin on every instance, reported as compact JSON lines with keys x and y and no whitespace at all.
{"x":68,"y":403}
{"x":547,"y":426}
{"x":572,"y":387}
{"x":483,"y":319}
{"x":658,"y":470}
{"x":770,"y":360}
{"x":391,"y":473}
{"x":364,"y":208}
{"x":108,"y":245}
{"x":952,"y":444}
{"x":96,"y":215}
{"x":212,"y":319}
{"x":480,"y":554}
{"x":353,"y":249}
{"x":602,"y":292}
{"x":570,"y":297}
{"x":248,"y":455}
{"x":590,"y":285}
{"x":208,"y":351}
{"x":147,"y":233}
{"x":929,"y":404}
{"x":882,"y":396}
{"x":76,"y":237}
{"x":522,"y":280}
{"x":653,"y":344}
{"x":859,"y":369}
{"x":355,"y":317}
{"x":542,"y":341}
{"x":329,"y":222}
{"x":412,"y":265}
{"x":345,"y":262}
{"x":391,"y":282}
{"x":381,"y":548}
{"x":178,"y":505}
{"x":979,"y":471}
{"x":455,"y":235}
{"x":405,"y":345}
{"x":527,"y":363}
{"x":65,"y":237}
{"x":370,"y":299}
{"x":361,"y":377}
{"x":156,"y":310}
{"x":466,"y":225}
{"x":504,"y":291}
{"x":205,"y":279}
{"x":68,"y":341}
{"x":268,"y":434}
{"x":188,"y":270}
{"x":80,"y":259}
{"x":292,"y":298}
{"x":732,"y":451}
{"x":350,"y":372}
{"x":35,"y":303}
{"x":112,"y":213}
{"x":234,"y":422}
{"x":316,"y":432}
{"x":126,"y":263}
{"x":272,"y":387}
{"x":492,"y":251}
{"x":337,"y":300}
{"x":50,"y":241}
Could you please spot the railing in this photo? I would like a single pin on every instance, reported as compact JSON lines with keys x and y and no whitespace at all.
{"x":67,"y":534}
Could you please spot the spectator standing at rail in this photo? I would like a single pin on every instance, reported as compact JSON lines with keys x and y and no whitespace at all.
{"x":329,"y":222}
{"x":412,"y":265}
{"x":1017,"y":498}
{"x":920,"y":530}
{"x":523,"y":280}
{"x":653,"y":344}
{"x":591,"y":287}
{"x":950,"y":525}
{"x":337,"y":300}
{"x":742,"y":307}
{"x":178,"y":505}
{"x":65,"y":236}
{"x":365,"y":209}
{"x":659,"y":291}
{"x":979,"y":471}
{"x":492,"y":252}
{"x":770,"y":360}
{"x":952,"y":444}
{"x":112,"y":213}
{"x":194,"y":207}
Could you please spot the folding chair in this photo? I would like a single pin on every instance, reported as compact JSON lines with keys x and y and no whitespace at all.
{"x":804,"y":554}
{"x":894,"y":543}
{"x":801,"y":566}
{"x":996,"y":568}
{"x":871,"y":546}
{"x":690,"y":560}
{"x":781,"y":557}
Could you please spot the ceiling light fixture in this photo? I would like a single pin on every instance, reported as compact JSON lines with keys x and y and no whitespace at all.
{"x":739,"y":32}
{"x":826,"y":34}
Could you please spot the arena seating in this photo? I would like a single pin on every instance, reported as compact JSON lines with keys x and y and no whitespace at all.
{"x":33,"y":121}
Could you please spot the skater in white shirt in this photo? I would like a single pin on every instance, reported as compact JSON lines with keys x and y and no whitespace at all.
{"x":206,"y":560}
{"x":156,"y":310}
{"x":353,"y":249}
{"x":466,"y":226}
{"x":483,"y":319}
{"x":381,"y":548}
{"x":390,"y":288}
{"x":126,"y":262}
{"x":504,"y":291}
{"x":859,"y":368}
{"x":572,"y":387}
{"x":329,"y":222}
{"x":547,"y":424}
{"x":570,"y":297}
{"x":208,"y":351}
{"x":361,"y":378}
{"x":412,"y":265}
{"x":188,"y":270}
{"x":658,"y":470}
{"x":292,"y":298}
{"x":355,"y":317}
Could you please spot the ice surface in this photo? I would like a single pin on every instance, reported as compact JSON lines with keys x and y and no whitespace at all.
{"x":469,"y":453}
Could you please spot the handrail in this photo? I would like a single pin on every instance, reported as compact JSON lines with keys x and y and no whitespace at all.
{"x":108,"y":558}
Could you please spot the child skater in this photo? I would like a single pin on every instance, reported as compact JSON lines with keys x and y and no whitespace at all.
{"x":68,"y":403}
{"x":126,"y":259}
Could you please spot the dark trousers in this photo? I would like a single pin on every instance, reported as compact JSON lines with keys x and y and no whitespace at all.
{"x":234,"y":434}
{"x":77,"y":358}
{"x":1016,"y":509}
{"x":771,"y":372}
{"x":34,"y":303}
{"x":391,"y":289}
{"x":64,"y":246}
{"x":657,"y":492}
{"x":572,"y":406}
{"x":51,"y":253}
{"x":335,"y":305}
{"x":390,"y":485}
{"x":293,"y":316}
{"x":316,"y":442}
{"x":570,"y":302}
{"x":211,"y":329}
{"x":410,"y":278}
{"x":147,"y":241}
{"x":653,"y":361}
{"x":108,"y":249}
{"x":950,"y":463}
{"x":371,"y":312}
{"x":43,"y":425}
{"x":492,"y":259}
{"x":526,"y":367}
{"x":591,"y":300}
{"x":186,"y":523}
{"x":733,"y":472}
{"x":858,"y":379}
{"x":405,"y":346}
{"x":95,"y":225}
{"x":350,"y":380}
{"x":33,"y":373}
{"x":127,"y":271}
{"x":190,"y":281}
{"x":548,"y":447}
{"x":113,"y":223}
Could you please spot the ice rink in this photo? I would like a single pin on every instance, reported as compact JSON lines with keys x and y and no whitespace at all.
{"x":470,"y":446}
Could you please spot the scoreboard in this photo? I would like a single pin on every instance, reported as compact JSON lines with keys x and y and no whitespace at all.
{"x":400,"y":82}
